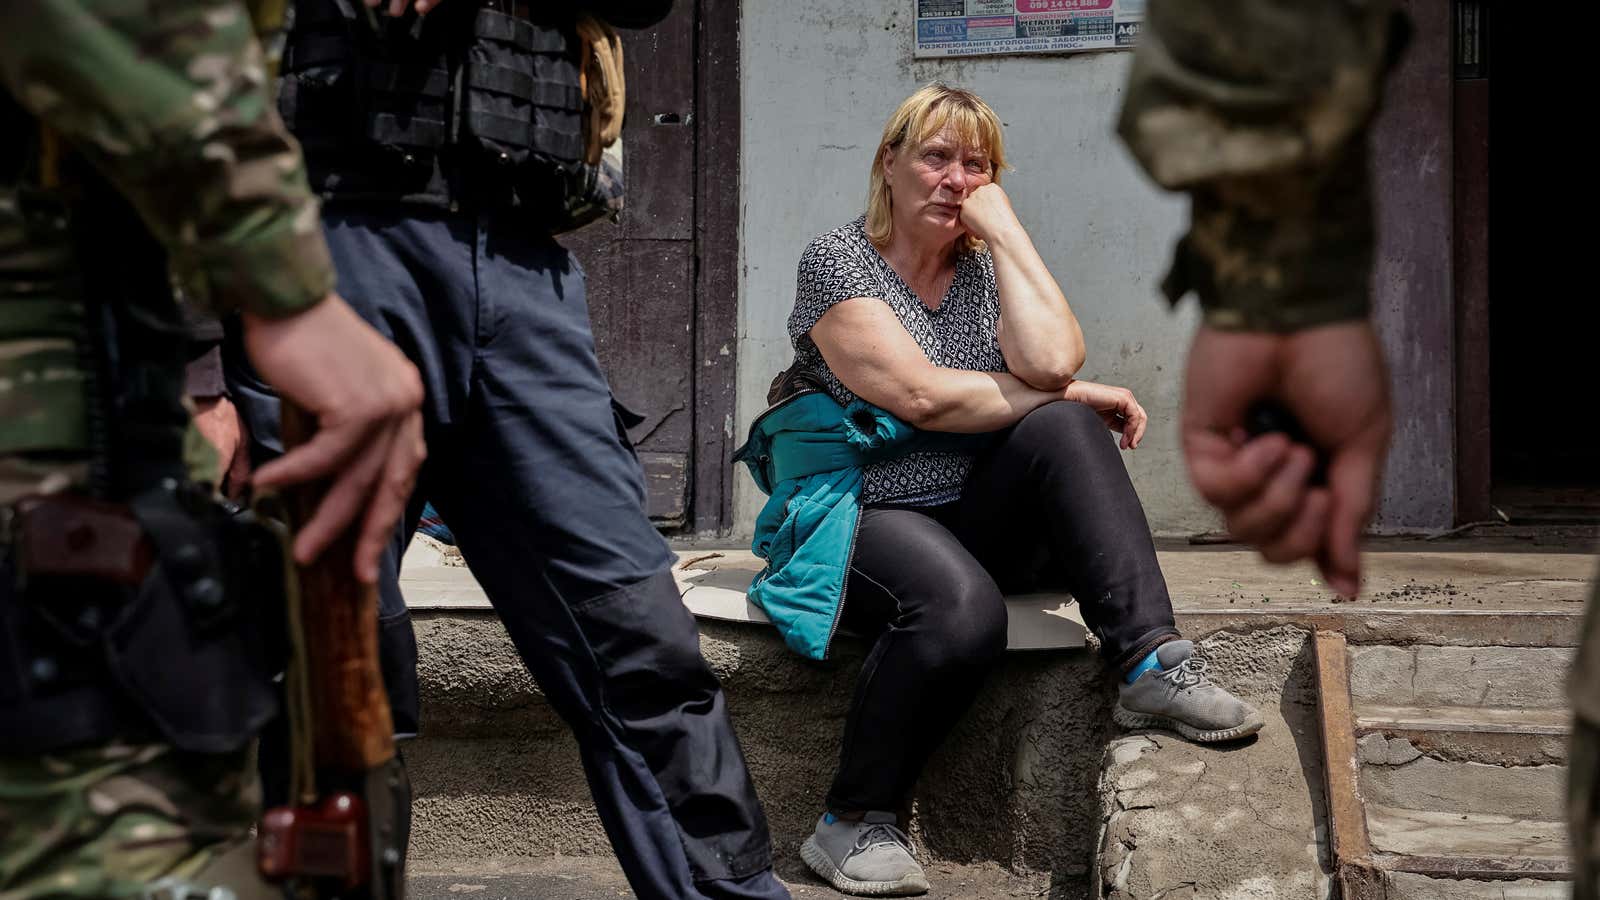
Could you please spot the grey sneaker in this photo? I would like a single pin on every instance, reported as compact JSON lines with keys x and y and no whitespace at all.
{"x":1179,"y":697}
{"x":870,"y":858}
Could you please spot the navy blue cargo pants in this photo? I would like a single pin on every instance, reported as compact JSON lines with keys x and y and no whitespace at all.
{"x":529,"y":467}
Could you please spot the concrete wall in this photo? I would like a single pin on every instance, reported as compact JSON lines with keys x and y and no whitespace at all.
{"x":820,"y":79}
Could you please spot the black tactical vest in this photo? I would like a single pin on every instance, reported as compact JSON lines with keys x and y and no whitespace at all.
{"x":469,"y":103}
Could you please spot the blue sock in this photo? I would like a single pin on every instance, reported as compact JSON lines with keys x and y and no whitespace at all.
{"x":1149,"y":662}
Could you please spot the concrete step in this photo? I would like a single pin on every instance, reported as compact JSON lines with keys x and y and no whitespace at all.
{"x":1035,"y":779}
{"x":1411,"y":886}
{"x":1434,"y":676}
{"x":1458,"y":754}
{"x":1425,"y":783}
{"x":1463,"y":771}
{"x":1450,"y":835}
{"x":599,"y":878}
{"x":1504,"y":737}
{"x":496,"y":774}
{"x":1223,"y":821}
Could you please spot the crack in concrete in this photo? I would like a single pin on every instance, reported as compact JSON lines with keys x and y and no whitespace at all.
{"x":1249,"y":801}
{"x":1413,"y":676}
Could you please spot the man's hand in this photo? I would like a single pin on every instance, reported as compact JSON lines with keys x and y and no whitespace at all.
{"x":1116,"y":406}
{"x":1334,"y":381}
{"x":366,"y":397}
{"x":219,"y":423}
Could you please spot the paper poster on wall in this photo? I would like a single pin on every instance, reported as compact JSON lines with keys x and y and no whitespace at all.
{"x":988,"y":27}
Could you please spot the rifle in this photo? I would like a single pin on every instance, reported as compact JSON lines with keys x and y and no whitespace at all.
{"x":348,"y":841}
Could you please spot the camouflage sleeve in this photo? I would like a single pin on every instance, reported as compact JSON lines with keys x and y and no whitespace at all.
{"x":1259,"y":110}
{"x":171,"y":101}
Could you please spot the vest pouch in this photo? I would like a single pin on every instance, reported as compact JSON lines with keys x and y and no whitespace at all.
{"x":204,"y":691}
{"x":407,"y":108}
{"x":522,"y":97}
{"x":384,"y":96}
{"x":196,"y":650}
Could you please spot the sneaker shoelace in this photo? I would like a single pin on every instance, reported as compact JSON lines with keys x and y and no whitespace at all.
{"x":883,"y":833}
{"x":1190,"y":673}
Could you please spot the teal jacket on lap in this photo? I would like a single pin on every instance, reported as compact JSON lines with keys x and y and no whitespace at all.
{"x":806,"y":454}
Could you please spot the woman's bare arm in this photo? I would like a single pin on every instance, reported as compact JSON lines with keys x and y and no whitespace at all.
{"x":873,"y":355}
{"x":1039,"y":334}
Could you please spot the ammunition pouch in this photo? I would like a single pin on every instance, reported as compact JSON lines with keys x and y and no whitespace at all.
{"x":159,"y":619}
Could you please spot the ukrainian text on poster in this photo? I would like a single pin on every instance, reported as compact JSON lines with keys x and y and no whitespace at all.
{"x":986,"y":27}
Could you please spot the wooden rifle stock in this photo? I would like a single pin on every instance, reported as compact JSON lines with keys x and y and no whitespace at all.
{"x":350,"y":711}
{"x":345,"y":833}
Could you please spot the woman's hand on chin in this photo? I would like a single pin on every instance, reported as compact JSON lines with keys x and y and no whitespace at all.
{"x":987,"y":212}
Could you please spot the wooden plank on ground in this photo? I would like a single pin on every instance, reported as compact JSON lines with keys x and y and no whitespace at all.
{"x":1348,"y":845}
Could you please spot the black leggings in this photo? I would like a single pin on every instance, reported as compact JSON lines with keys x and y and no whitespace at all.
{"x":1049,"y":505}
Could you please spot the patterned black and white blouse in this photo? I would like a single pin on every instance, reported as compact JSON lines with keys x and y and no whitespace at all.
{"x":960,"y":334}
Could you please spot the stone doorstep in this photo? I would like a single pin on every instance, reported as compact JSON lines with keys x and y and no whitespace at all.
{"x":1516,"y":609}
{"x":1044,"y":621}
{"x":496,"y":774}
{"x":1201,"y":583}
{"x":1221,"y":581}
{"x":594,"y":878}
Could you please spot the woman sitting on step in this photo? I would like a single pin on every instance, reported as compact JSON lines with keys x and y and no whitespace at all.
{"x":937,"y":349}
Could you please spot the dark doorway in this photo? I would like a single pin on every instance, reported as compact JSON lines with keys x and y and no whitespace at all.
{"x":1544,"y":436}
{"x":663,"y":280}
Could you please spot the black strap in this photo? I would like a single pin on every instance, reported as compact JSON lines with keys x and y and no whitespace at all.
{"x":499,"y":79}
{"x":520,"y":132}
{"x":409,"y":106}
{"x":559,"y":144}
{"x":504,"y":129}
{"x":557,"y":96}
{"x":306,"y":51}
{"x":520,"y":85}
{"x":497,"y":26}
{"x":409,"y":131}
{"x":397,"y":79}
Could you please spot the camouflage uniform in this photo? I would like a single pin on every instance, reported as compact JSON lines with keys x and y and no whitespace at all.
{"x":1259,"y":110}
{"x":118,"y":820}
{"x":169,"y":102}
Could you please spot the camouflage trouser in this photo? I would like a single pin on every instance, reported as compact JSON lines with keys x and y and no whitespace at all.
{"x":1583,"y":807}
{"x":129,"y":821}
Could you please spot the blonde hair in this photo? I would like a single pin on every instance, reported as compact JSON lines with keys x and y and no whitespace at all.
{"x":924,"y":114}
